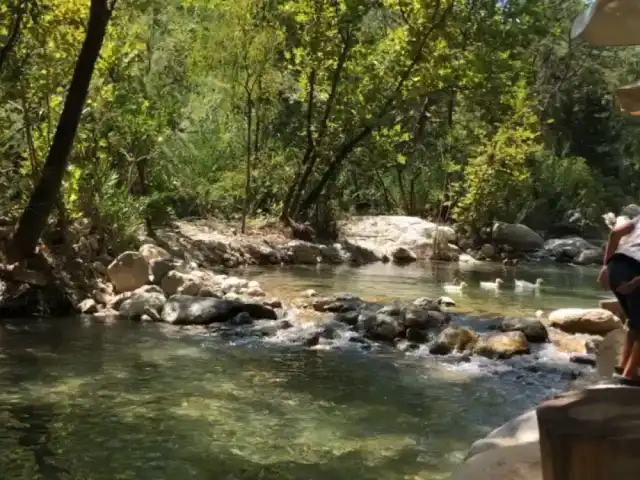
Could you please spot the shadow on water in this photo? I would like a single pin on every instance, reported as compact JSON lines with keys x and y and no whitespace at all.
{"x":89,"y":401}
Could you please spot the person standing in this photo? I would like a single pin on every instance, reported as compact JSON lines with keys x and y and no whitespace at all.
{"x":621,"y":274}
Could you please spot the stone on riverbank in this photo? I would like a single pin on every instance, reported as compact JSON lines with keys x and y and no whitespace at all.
{"x":141,"y":302}
{"x":128,"y":272}
{"x":593,"y":321}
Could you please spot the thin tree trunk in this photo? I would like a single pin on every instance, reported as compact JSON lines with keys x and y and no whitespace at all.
{"x":247,"y":173}
{"x":34,"y":218}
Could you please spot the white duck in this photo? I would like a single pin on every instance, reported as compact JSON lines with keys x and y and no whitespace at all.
{"x":453,"y":288}
{"x":495,"y":286}
{"x":524,"y":285}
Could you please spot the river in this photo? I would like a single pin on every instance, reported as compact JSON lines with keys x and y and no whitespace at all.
{"x":91,"y":401}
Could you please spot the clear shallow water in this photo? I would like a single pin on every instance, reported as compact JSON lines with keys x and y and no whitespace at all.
{"x":88,"y":401}
{"x":564,"y":286}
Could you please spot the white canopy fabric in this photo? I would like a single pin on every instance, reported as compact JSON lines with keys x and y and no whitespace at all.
{"x":608,"y":23}
{"x":629,"y":99}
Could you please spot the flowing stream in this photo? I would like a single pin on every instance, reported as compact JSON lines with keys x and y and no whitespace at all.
{"x":90,"y":401}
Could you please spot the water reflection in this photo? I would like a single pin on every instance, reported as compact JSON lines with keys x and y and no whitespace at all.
{"x":564,"y":285}
{"x":89,"y":401}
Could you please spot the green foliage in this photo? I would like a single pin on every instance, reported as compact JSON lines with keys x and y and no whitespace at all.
{"x":497,"y":183}
{"x":400,"y":104}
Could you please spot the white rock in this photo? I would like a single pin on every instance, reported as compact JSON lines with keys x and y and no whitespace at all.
{"x":255,"y":292}
{"x":153,"y":252}
{"x":234,"y":284}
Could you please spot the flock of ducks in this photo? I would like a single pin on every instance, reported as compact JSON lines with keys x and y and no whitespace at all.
{"x":495,"y":286}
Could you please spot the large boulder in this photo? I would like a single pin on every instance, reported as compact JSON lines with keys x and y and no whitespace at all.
{"x":517,"y":236}
{"x":570,"y":248}
{"x":590,"y":256}
{"x":303,"y":253}
{"x":385,"y":232}
{"x":128,"y":272}
{"x":593,"y":321}
{"x":191,"y":310}
{"x":510,"y":452}
{"x":502,"y":345}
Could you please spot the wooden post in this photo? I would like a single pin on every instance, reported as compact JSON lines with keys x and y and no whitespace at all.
{"x":592,"y":434}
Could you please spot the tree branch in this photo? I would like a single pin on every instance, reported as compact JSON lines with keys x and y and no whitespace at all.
{"x":20,"y":10}
{"x":351,"y":144}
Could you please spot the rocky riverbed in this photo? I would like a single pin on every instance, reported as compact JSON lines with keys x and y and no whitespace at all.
{"x":151,"y":285}
{"x":383,"y":238}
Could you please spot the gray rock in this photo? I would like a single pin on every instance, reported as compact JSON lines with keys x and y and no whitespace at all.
{"x":519,"y":237}
{"x":424,"y":319}
{"x":140,"y":303}
{"x":190,"y":310}
{"x":532,"y":328}
{"x":416,"y":335}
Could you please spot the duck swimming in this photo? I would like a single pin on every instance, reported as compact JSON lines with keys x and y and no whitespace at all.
{"x":492,"y":285}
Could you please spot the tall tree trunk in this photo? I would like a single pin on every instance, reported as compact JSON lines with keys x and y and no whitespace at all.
{"x":34,"y":218}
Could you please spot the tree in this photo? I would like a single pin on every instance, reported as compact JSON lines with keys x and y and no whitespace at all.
{"x":34,"y":218}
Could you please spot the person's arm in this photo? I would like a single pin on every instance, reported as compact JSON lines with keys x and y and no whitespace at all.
{"x":615,"y":235}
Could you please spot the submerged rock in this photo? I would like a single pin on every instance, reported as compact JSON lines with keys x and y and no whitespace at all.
{"x":532,"y":328}
{"x":502,"y":345}
{"x":454,"y":339}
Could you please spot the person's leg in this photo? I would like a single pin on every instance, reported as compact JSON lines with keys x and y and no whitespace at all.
{"x":631,"y":367}
{"x":620,"y":270}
